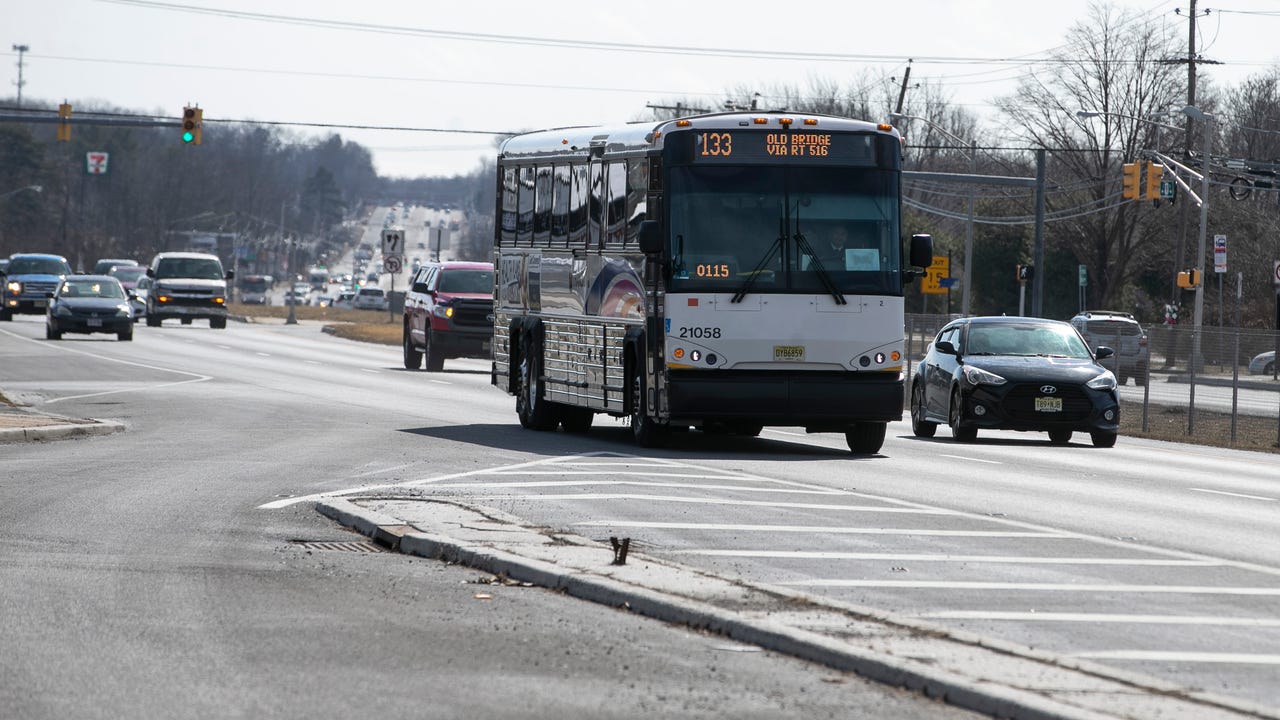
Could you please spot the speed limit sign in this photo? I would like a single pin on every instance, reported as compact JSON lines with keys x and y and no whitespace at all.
{"x":392,"y":264}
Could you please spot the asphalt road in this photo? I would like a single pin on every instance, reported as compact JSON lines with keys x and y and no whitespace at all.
{"x":140,"y":576}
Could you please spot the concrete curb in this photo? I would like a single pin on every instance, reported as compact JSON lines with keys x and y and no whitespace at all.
{"x":899,"y":652}
{"x":42,"y":433}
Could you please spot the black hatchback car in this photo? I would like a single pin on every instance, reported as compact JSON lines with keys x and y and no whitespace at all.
{"x":1014,"y":373}
{"x":89,"y":304}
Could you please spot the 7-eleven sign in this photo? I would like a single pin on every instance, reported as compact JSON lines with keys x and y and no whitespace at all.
{"x":95,"y":163}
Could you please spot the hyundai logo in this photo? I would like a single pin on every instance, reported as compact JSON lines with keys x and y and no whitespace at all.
{"x":1048,"y":389}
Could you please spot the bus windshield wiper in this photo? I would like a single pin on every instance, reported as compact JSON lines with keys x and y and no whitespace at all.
{"x":774,"y":247}
{"x":823,"y":275}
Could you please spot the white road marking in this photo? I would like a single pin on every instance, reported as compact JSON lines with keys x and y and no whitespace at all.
{"x":973,"y":459}
{"x":818,"y":529}
{"x":633,"y":483}
{"x":442,"y":382}
{"x":784,"y":432}
{"x":223,"y":347}
{"x":716,"y":501}
{"x":1231,"y":494}
{"x":1037,"y":587}
{"x":375,"y":372}
{"x":1176,"y":656}
{"x":922,"y":557}
{"x":313,"y":362}
{"x":262,"y":354}
{"x":1101,"y":618}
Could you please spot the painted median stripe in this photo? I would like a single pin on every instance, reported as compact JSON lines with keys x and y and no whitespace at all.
{"x":922,"y":557}
{"x":1036,"y":587}
{"x":818,"y":529}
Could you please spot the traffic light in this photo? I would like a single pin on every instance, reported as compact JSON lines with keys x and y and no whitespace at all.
{"x":1026,"y":273}
{"x":1132,"y":181}
{"x":1155,"y":174}
{"x":1189,"y":279}
{"x":192,"y":119}
{"x":64,"y":127}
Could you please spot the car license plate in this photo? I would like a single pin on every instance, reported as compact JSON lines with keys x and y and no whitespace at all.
{"x":1048,"y":404}
{"x":788,"y":352}
{"x":39,"y":303}
{"x":95,"y":322}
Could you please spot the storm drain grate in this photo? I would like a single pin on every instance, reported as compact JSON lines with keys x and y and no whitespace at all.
{"x":357,"y":546}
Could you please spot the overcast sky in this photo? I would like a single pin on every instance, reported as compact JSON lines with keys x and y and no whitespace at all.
{"x":470,"y":66}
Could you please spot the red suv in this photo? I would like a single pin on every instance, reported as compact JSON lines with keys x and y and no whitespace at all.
{"x":448,"y":313}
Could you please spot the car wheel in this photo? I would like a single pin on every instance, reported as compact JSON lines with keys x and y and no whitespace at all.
{"x":186,"y":321}
{"x":645,"y":430}
{"x":153,"y":321}
{"x":218,"y":323}
{"x":125,"y":335}
{"x":865,"y":438}
{"x":959,"y":432}
{"x":433,"y":355}
{"x":534,"y":411}
{"x":1122,"y":379}
{"x":1060,"y":437}
{"x":1103,"y":439}
{"x":6,"y":315}
{"x":412,"y":356}
{"x":50,"y":333}
{"x":1268,"y":369}
{"x":919,"y":426}
{"x":576,"y":419}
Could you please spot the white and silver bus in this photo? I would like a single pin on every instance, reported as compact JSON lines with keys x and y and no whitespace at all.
{"x":725,"y":271}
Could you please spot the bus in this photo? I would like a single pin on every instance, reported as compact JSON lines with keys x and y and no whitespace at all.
{"x":689,"y":273}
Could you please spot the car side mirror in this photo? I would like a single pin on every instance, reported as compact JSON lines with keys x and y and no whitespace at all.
{"x":1103,"y":352}
{"x":946,"y":347}
{"x":231,"y":274}
{"x":49,"y":294}
{"x":151,"y":273}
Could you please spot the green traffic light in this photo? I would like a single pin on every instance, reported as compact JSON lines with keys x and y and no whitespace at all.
{"x":188,"y":136}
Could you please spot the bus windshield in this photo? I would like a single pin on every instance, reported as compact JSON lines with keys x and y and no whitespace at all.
{"x":776,"y":229}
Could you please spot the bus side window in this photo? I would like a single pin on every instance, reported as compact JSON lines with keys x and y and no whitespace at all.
{"x":616,"y":228}
{"x":524,"y":219}
{"x":595,"y":205}
{"x":542,"y":206}
{"x":578,"y":206}
{"x":510,"y":204}
{"x":637,"y":194}
{"x":560,"y":206}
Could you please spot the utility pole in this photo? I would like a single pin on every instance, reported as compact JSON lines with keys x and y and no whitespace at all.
{"x":21,"y":49}
{"x":902,"y":92}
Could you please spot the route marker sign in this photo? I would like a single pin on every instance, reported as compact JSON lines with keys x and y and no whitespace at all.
{"x":95,"y":162}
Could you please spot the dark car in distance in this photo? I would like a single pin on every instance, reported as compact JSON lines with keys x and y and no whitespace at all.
{"x":29,"y":279}
{"x":89,"y":304}
{"x":1015,"y":373}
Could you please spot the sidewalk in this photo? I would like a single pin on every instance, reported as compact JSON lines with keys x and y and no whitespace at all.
{"x":990,"y":676}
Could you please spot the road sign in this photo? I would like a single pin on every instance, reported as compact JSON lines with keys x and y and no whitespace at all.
{"x":1219,"y":253}
{"x":392,"y":242}
{"x":1166,"y":189}
{"x":95,"y":162}
{"x":941,"y":268}
{"x":393,"y":264}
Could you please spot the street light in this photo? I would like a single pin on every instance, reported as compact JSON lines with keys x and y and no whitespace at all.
{"x":33,"y":188}
{"x":968,"y":236}
{"x":1196,"y":113}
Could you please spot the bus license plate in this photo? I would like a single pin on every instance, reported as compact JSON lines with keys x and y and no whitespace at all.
{"x":788,"y":352}
{"x":1048,"y":404}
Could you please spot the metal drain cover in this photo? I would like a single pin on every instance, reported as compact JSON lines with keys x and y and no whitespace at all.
{"x":356,"y":546}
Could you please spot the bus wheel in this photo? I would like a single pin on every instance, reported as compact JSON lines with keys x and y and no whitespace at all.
{"x":535,"y":412}
{"x":865,"y":438}
{"x":646,"y":431}
{"x":576,"y":419}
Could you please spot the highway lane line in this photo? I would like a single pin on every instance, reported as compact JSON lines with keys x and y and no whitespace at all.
{"x":1177,"y":656}
{"x":375,"y":372}
{"x":925,"y":557}
{"x":442,"y":382}
{"x":313,"y":362}
{"x":1035,"y":587}
{"x":1231,"y":494}
{"x":259,"y":354}
{"x":630,"y":483}
{"x":817,"y":529}
{"x":1100,"y":618}
{"x":973,"y":459}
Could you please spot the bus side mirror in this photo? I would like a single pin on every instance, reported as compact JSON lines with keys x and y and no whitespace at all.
{"x":919,"y":256}
{"x":651,"y":237}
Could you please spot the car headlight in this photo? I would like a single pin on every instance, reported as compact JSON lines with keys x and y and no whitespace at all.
{"x":14,"y":287}
{"x":1105,"y":381}
{"x":124,"y":310}
{"x":444,"y":311}
{"x":978,"y":376}
{"x":61,"y":310}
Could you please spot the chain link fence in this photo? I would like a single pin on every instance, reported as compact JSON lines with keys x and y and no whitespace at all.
{"x":1234,"y":387}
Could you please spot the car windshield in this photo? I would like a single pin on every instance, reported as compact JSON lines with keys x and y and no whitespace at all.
{"x":91,"y":288}
{"x":196,"y":268}
{"x":466,"y":281}
{"x":128,"y":273}
{"x":1025,"y":339}
{"x":38,"y":266}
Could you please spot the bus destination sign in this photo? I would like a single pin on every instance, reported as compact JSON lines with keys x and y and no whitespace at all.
{"x":773,"y":146}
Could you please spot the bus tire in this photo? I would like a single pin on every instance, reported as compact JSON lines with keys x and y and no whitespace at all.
{"x":645,"y":430}
{"x":535,"y":412}
{"x":865,"y":438}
